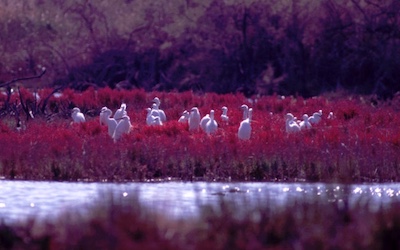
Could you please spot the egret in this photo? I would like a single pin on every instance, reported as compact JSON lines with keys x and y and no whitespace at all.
{"x":194,"y":119}
{"x":204,"y":121}
{"x":224,"y":116}
{"x":157,"y":121}
{"x":330,"y":116}
{"x":305,"y":124}
{"x":316,"y":117}
{"x":120,"y":112}
{"x":212,"y":125}
{"x":152,"y":114}
{"x":111,"y":122}
{"x":102,"y":116}
{"x":77,"y":115}
{"x":291,"y":125}
{"x":245,"y":109}
{"x":154,"y":110}
{"x":157,"y":101}
{"x":123,"y":127}
{"x":184,"y":117}
{"x":244,"y":131}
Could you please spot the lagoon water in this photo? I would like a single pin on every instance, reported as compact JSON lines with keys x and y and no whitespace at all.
{"x":20,"y":200}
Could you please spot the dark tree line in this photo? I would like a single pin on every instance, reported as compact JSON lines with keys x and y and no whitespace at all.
{"x":255,"y":47}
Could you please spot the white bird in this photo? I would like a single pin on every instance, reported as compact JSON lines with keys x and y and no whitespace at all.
{"x":194,"y":119}
{"x":291,"y":125}
{"x":157,"y":121}
{"x":224,"y":115}
{"x":157,"y":101}
{"x":123,"y":127}
{"x":305,"y":124}
{"x":330,"y":116}
{"x":102,"y":116}
{"x":149,"y":117}
{"x":77,"y":115}
{"x":244,"y":131}
{"x":204,"y":121}
{"x":316,"y":117}
{"x":120,"y":112}
{"x":152,"y":114}
{"x":184,"y":117}
{"x":245,"y":109}
{"x":111,"y":122}
{"x":212,"y":125}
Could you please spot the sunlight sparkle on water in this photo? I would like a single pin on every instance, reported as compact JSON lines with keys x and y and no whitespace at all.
{"x":32,"y":204}
{"x":286,"y":189}
{"x":2,"y":204}
{"x":376,"y":191}
{"x":390,"y":192}
{"x":299,"y":189}
{"x":124,"y":194}
{"x":357,"y":190}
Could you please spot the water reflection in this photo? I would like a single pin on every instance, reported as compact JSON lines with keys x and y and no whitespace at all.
{"x":20,"y":199}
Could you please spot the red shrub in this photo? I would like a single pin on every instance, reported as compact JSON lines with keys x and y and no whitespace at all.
{"x":340,"y":149}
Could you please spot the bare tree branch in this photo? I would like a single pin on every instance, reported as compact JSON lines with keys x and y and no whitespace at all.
{"x":23,"y":79}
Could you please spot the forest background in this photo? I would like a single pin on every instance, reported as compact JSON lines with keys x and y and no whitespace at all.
{"x":288,"y":47}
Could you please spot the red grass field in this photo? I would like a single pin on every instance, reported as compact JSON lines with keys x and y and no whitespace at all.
{"x":362,"y":142}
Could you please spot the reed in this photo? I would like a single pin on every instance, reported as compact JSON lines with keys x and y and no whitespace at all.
{"x":303,"y":224}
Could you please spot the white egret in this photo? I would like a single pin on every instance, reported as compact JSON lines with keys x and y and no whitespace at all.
{"x":157,"y":121}
{"x":157,"y":101}
{"x":330,"y":116}
{"x":244,"y":131}
{"x":211,"y":125}
{"x":194,"y":119}
{"x":111,"y":122}
{"x":102,"y":116}
{"x":77,"y":115}
{"x":120,"y":112}
{"x":291,"y":125}
{"x":149,"y":117}
{"x":152,"y":114}
{"x":184,"y":117}
{"x":204,"y":121}
{"x":224,"y":115}
{"x":305,"y":123}
{"x":245,"y":109}
{"x":123,"y":127}
{"x":316,"y":117}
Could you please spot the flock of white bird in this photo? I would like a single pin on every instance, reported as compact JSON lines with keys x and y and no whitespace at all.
{"x":293,"y":125}
{"x":120,"y":124}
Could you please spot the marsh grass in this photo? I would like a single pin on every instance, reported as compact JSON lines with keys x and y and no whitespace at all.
{"x":360,"y":144}
{"x":302,"y":224}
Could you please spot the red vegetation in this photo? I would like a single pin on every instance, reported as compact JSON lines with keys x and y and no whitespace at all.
{"x":361,"y":143}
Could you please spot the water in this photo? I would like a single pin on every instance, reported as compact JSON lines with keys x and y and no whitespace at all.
{"x":22,"y":199}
